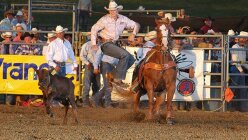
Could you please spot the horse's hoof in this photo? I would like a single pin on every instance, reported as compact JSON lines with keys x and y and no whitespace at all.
{"x":169,"y":121}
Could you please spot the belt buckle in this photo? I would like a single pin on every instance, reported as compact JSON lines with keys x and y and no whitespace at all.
{"x":62,"y":64}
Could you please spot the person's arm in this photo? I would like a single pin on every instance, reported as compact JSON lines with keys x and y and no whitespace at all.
{"x":71,"y":55}
{"x":83,"y":54}
{"x":95,"y":29}
{"x":135,"y":26}
{"x":97,"y":59}
{"x":49,"y":55}
{"x":235,"y":57}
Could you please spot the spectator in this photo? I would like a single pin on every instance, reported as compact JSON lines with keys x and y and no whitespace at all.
{"x":50,"y":37}
{"x":171,"y":19}
{"x":207,"y":26}
{"x":8,"y":18}
{"x":182,"y":14}
{"x":6,"y":48}
{"x":19,"y":19}
{"x":85,"y":8}
{"x":35,"y":36}
{"x":28,"y":49}
{"x":239,"y":66}
{"x":90,"y":79}
{"x":59,"y":52}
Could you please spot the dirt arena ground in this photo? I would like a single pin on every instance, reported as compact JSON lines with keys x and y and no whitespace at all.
{"x":31,"y":123}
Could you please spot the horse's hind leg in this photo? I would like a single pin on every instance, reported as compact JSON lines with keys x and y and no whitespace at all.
{"x":136,"y":100}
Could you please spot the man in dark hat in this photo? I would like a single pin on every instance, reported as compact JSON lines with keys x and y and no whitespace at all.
{"x":8,"y":17}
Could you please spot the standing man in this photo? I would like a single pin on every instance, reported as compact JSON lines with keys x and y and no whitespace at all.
{"x":87,"y":55}
{"x":239,"y":67}
{"x":84,"y":8}
{"x":59,"y":51}
{"x":110,"y":27}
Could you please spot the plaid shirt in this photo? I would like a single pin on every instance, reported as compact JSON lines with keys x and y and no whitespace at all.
{"x":28,"y":50}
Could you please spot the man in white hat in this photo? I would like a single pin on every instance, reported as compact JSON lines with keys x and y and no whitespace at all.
{"x":59,"y":52}
{"x":6,"y":48}
{"x":18,"y":19}
{"x":50,"y":37}
{"x":239,"y":66}
{"x":150,"y":39}
{"x":111,"y":27}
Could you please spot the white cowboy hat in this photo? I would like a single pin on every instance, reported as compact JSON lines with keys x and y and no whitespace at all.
{"x":150,"y":35}
{"x":243,"y":33}
{"x":113,"y":6}
{"x":19,"y":13}
{"x":6,"y":34}
{"x":50,"y":35}
{"x":169,"y":16}
{"x":34,"y":31}
{"x":141,"y":8}
{"x":60,"y":29}
{"x":231,"y":32}
{"x":24,"y":27}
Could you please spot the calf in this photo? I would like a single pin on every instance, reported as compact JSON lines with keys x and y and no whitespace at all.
{"x":59,"y":87}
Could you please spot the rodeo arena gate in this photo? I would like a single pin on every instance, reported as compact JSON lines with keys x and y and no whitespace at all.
{"x":208,"y":86}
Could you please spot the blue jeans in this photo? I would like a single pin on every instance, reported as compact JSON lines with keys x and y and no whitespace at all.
{"x":126,"y":60}
{"x":239,"y":93}
{"x":62,"y":71}
{"x":90,"y":79}
{"x":107,"y":89}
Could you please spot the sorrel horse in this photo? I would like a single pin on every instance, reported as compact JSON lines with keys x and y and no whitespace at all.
{"x":158,"y":73}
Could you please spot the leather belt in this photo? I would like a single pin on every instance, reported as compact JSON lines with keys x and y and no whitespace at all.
{"x":61,"y":64}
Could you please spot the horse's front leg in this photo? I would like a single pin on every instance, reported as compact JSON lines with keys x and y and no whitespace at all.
{"x":170,"y":94}
{"x":159,"y":101}
{"x":136,"y":100}
{"x":150,"y":104}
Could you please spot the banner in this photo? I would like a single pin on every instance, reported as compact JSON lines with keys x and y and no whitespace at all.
{"x":17,"y":74}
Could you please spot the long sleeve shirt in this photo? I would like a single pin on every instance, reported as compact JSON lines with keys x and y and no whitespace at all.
{"x":28,"y":50}
{"x":61,"y":51}
{"x":239,"y":56}
{"x":111,"y":29}
{"x":87,"y":53}
{"x":141,"y":53}
{"x":99,"y":56}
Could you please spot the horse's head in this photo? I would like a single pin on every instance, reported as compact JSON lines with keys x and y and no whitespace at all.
{"x":162,"y":33}
{"x":44,"y":78}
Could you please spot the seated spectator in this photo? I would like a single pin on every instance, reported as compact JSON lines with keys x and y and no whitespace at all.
{"x":35,"y":36}
{"x":6,"y":48}
{"x":28,"y":49}
{"x":50,"y":37}
{"x":19,"y":19}
{"x":182,"y":14}
{"x":171,"y":19}
{"x":207,"y":26}
{"x":8,"y":17}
